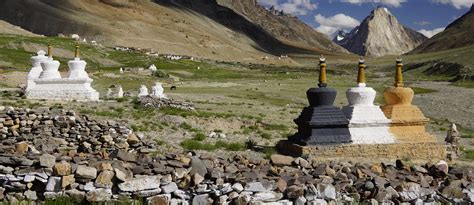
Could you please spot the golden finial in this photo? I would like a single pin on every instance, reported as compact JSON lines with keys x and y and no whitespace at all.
{"x":76,"y":54}
{"x":322,"y":71}
{"x":361,"y":73}
{"x":398,"y":73}
{"x":50,"y":53}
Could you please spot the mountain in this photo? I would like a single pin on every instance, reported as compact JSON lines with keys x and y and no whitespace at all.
{"x":339,"y":36}
{"x":381,"y":34}
{"x":457,"y":34}
{"x":215,"y":29}
{"x":6,"y":28}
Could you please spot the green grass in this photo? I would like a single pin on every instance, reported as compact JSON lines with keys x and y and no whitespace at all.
{"x":469,"y":154}
{"x":199,"y":136}
{"x":192,"y":144}
{"x":419,"y":91}
{"x":464,"y":84}
{"x":465,"y":133}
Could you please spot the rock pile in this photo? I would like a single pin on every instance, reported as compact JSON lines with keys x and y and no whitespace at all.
{"x":157,"y":102}
{"x":49,"y":153}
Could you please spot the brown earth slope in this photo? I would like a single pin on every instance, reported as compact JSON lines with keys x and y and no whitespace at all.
{"x":457,"y":34}
{"x":202,"y":28}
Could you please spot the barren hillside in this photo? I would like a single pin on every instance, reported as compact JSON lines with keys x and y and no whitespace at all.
{"x":201,"y":28}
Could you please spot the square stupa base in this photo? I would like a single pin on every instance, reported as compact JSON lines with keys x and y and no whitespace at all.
{"x":422,"y":152}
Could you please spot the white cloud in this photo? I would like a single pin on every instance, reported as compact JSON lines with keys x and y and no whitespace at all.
{"x":458,"y":4}
{"x":329,"y":25}
{"x":295,"y":7}
{"x":422,"y":23}
{"x":394,"y":3}
{"x":430,"y":33}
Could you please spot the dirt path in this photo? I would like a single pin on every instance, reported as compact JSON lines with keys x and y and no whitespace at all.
{"x":455,"y":104}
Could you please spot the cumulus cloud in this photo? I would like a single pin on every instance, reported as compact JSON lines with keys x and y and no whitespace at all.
{"x":329,"y":25}
{"x":430,"y":33}
{"x":295,"y":7}
{"x":458,"y":4}
{"x":394,"y":3}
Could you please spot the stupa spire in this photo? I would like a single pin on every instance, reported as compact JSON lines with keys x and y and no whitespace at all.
{"x":322,"y":72}
{"x":398,"y":73}
{"x":77,"y":52}
{"x":50,"y":52}
{"x":361,"y":73}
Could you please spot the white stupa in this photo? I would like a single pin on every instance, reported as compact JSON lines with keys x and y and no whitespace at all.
{"x":119,"y":91}
{"x":143,"y":91}
{"x":367,"y":122}
{"x":36,"y":69}
{"x":158,"y":91}
{"x":153,"y":68}
{"x":51,"y":86}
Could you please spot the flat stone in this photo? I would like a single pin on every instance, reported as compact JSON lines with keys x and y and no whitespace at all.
{"x":255,"y":187}
{"x":123,"y":155}
{"x":163,"y":199}
{"x":197,"y":166}
{"x":294,"y":192}
{"x":47,"y":160}
{"x":237,"y":187}
{"x":202,"y":199}
{"x":85,"y":172}
{"x":281,"y":160}
{"x":169,"y":188}
{"x":62,"y":169}
{"x":99,"y":195}
{"x":123,"y":174}
{"x":140,"y":184}
{"x":104,"y":180}
{"x":75,"y":194}
{"x":30,"y":195}
{"x":67,"y":181}
{"x":21,"y":148}
{"x":267,"y":196}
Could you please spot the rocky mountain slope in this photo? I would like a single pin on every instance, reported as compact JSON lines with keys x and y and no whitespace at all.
{"x":6,"y":28}
{"x":381,"y":34}
{"x":457,"y":34}
{"x":203,"y":28}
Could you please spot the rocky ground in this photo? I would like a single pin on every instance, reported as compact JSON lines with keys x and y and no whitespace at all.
{"x":47,"y":153}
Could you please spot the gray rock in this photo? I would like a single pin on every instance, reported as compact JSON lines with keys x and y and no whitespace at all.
{"x":86,"y":172}
{"x":202,"y":199}
{"x":6,"y":170}
{"x":317,"y":202}
{"x":30,"y":195}
{"x":197,"y":166}
{"x":148,"y":193}
{"x":159,"y":199}
{"x":281,"y":160}
{"x":47,"y":160}
{"x":76,"y":194}
{"x":123,"y":174}
{"x":238,"y":187}
{"x":141,"y":184}
{"x":99,"y":195}
{"x":54,"y":184}
{"x":255,"y":187}
{"x":169,"y":188}
{"x":267,"y":196}
{"x":329,"y":192}
{"x":300,"y":201}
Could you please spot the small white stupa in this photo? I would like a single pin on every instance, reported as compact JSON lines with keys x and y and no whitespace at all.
{"x":119,"y":91}
{"x":157,"y":90}
{"x":51,"y":86}
{"x":121,"y":70}
{"x":153,"y":68}
{"x":143,"y":91}
{"x":367,"y":122}
{"x":36,"y":70}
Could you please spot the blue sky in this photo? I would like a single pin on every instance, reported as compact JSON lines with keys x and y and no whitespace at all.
{"x":327,"y":16}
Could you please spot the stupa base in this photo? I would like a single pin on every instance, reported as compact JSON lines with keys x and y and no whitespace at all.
{"x":371,"y":135}
{"x":316,"y":136}
{"x":428,"y":151}
{"x":63,"y":89}
{"x":410,"y":134}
